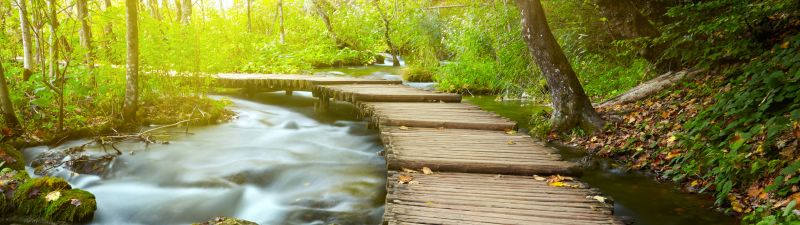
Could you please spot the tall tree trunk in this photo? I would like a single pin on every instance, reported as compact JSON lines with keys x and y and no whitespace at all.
{"x":571,"y":106}
{"x":249,"y":23}
{"x":186,"y":8}
{"x":108,"y":30}
{"x":85,"y":32}
{"x":27,"y":51}
{"x":178,"y":11}
{"x":280,"y":19}
{"x":53,"y":58}
{"x":130,"y":104}
{"x":627,"y":22}
{"x":9,"y":116}
{"x":221,"y":8}
{"x":386,"y":31}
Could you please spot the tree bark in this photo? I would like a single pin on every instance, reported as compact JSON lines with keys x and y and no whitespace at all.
{"x":85,"y":32}
{"x":627,"y":22}
{"x":186,"y":8}
{"x":178,"y":9}
{"x":109,"y":31}
{"x":130,"y":104}
{"x":280,"y":17}
{"x":571,"y":106}
{"x":9,"y":116}
{"x":27,"y":50}
{"x":54,"y":67}
{"x":386,"y":31}
{"x":249,"y":23}
{"x":322,"y":7}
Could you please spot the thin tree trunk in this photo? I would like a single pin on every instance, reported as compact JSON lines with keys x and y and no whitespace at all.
{"x":178,"y":11}
{"x":85,"y":32}
{"x":221,"y":8}
{"x":386,"y":32}
{"x":130,"y":104}
{"x":108,"y":30}
{"x":27,"y":51}
{"x":322,"y":6}
{"x":571,"y":106}
{"x":9,"y":116}
{"x":153,"y":4}
{"x":249,"y":24}
{"x":187,"y":11}
{"x":280,"y":21}
{"x":54,"y":70}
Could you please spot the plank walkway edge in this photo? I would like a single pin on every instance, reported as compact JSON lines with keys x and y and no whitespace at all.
{"x":481,"y":167}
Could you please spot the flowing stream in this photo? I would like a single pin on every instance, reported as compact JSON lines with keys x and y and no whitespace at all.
{"x":281,"y":163}
{"x":277,"y":163}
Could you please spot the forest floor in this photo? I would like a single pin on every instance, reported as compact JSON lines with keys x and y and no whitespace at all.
{"x":642,"y":135}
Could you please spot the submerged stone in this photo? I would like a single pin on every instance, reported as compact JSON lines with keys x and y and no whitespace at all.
{"x":226,"y":221}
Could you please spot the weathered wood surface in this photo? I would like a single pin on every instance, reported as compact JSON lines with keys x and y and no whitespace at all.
{"x":464,"y":198}
{"x":289,"y":82}
{"x":435,"y":115}
{"x":383,"y":93}
{"x":472,"y":151}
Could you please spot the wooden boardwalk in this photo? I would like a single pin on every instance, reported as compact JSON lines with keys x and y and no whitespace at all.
{"x":451,"y":162}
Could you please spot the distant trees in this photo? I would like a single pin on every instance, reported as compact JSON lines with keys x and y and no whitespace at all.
{"x":186,"y":10}
{"x":85,"y":31}
{"x":626,"y":22}
{"x":571,"y":106}
{"x":387,"y":31}
{"x":130,"y":103}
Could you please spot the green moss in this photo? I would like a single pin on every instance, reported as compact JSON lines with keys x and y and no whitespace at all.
{"x":73,"y":206}
{"x":30,"y":196}
{"x":418,"y":74}
{"x":10,"y":157}
{"x":10,"y":180}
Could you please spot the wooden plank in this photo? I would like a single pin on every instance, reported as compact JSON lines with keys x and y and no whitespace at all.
{"x":435,"y":115}
{"x":384,"y":93}
{"x":439,"y":199}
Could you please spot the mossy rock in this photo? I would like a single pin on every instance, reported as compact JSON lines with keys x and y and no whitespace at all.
{"x":226,"y":221}
{"x":10,"y":180}
{"x":73,"y":205}
{"x":30,"y":196}
{"x":10,"y":157}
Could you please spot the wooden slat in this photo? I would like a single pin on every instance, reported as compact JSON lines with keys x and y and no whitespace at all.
{"x":442,"y":198}
{"x":289,"y":81}
{"x":384,"y":93}
{"x":474,"y":151}
{"x":446,"y":115}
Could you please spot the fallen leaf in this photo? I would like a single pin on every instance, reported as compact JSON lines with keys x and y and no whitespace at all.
{"x":52,"y":196}
{"x":427,"y":171}
{"x":599,"y":198}
{"x":403,"y":128}
{"x":539,"y":178}
{"x":510,"y":142}
{"x":75,"y":202}
{"x":673,"y":154}
{"x":409,"y":170}
{"x":404,"y":178}
{"x":785,"y":45}
{"x":511,"y":132}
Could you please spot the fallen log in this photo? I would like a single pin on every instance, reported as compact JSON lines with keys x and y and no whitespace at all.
{"x":650,"y":87}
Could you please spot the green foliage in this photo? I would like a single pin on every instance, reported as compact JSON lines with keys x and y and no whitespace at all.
{"x":737,"y":139}
{"x":417,"y":74}
{"x":710,"y":32}
{"x":11,"y":158}
{"x":30,"y":196}
{"x":764,"y":216}
{"x":74,"y":205}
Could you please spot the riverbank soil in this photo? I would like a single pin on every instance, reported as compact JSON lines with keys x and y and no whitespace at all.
{"x":732,"y":133}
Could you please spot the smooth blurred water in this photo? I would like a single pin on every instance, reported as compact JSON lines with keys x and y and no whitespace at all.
{"x":277,"y":163}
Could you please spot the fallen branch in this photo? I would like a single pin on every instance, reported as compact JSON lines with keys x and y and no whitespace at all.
{"x":649,"y":88}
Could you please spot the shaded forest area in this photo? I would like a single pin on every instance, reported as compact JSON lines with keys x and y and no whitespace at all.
{"x":729,"y":127}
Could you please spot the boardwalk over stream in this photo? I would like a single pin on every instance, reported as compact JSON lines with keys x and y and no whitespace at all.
{"x":482,"y":170}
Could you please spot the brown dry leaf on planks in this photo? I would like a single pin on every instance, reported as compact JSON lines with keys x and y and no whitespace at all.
{"x":427,"y":171}
{"x":405,"y":179}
